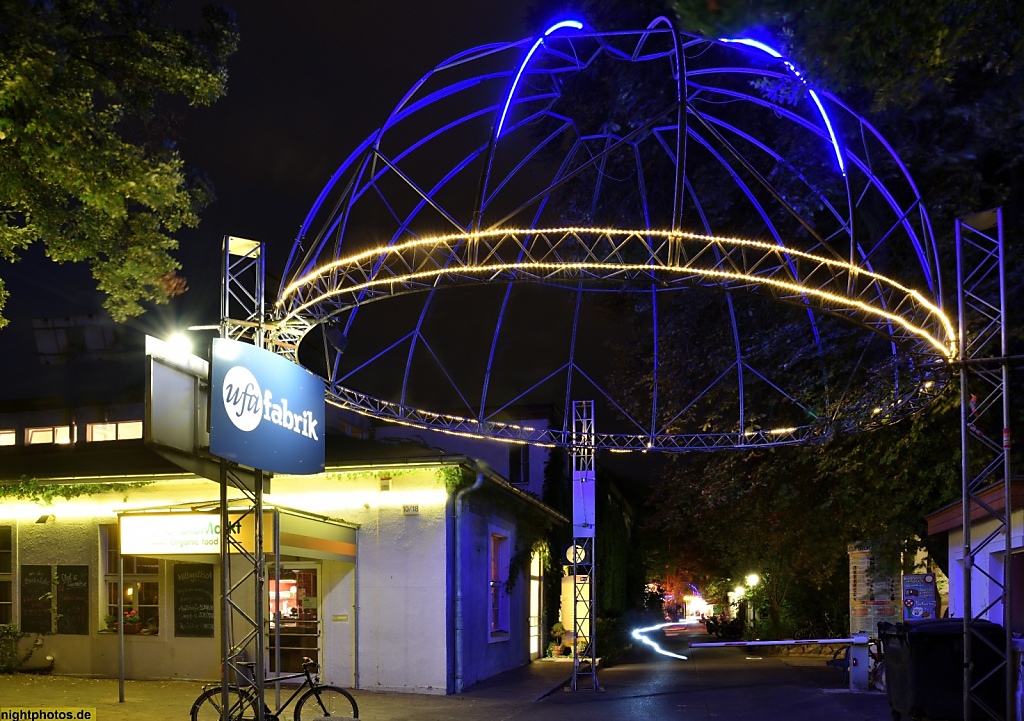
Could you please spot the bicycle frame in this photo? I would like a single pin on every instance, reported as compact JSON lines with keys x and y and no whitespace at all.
{"x":308,"y":682}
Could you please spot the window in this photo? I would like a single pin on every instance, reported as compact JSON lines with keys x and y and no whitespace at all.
{"x":51,"y":434}
{"x":8,"y":436}
{"x":498,"y":572}
{"x":141,"y":585}
{"x":519,"y":464}
{"x":6,"y":581}
{"x":119,"y":431}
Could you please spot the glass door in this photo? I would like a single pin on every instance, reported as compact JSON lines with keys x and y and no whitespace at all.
{"x":294,"y":609}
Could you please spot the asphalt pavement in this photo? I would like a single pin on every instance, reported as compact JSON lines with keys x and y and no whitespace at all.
{"x":727,"y":684}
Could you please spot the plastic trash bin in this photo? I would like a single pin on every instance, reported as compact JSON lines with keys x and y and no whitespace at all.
{"x":924,"y":668}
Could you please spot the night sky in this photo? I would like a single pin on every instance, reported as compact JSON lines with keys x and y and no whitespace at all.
{"x":309,"y":82}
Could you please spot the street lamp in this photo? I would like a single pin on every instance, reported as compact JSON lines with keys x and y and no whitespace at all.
{"x":753,"y":580}
{"x":180,"y":343}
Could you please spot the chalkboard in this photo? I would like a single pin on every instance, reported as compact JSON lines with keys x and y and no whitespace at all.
{"x":73,"y":600}
{"x":193,"y":600}
{"x":36,"y":605}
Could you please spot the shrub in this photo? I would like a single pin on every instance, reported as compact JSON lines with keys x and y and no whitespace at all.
{"x":9,"y":635}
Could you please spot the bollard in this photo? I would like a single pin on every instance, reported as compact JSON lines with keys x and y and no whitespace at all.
{"x":860,"y":662}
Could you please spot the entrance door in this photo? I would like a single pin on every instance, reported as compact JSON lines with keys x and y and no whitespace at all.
{"x":294,"y":609}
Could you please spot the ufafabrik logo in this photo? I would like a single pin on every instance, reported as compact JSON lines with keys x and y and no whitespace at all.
{"x":247,"y":405}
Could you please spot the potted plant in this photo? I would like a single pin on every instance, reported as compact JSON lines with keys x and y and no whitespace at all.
{"x":132,"y":622}
{"x":111,"y":621}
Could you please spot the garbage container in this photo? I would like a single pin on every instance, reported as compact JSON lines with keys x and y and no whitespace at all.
{"x":924,"y":668}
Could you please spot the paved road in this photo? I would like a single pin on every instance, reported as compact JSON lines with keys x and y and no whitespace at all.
{"x":726,"y":684}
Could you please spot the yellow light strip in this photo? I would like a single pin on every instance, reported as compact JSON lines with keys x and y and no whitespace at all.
{"x":795,"y":288}
{"x":442,"y":240}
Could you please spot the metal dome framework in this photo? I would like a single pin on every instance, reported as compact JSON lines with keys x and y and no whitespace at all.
{"x":732,"y":175}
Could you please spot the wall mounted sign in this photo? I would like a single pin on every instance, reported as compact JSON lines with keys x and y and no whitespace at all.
{"x":190,"y":534}
{"x":919,"y":597}
{"x":576,"y":552}
{"x":193,"y":600}
{"x":265,"y":412}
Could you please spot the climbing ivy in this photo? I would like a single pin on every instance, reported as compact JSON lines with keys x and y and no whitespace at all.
{"x":453,"y":477}
{"x":352,"y":475}
{"x":532,"y":527}
{"x":36,"y":491}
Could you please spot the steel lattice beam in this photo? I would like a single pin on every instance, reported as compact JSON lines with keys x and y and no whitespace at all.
{"x":985,"y":448}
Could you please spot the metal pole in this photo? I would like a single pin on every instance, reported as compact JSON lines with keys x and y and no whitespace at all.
{"x":1010,"y":674}
{"x":259,"y":673}
{"x":225,"y":591}
{"x":277,"y":608}
{"x":965,"y":476}
{"x":120,"y":619}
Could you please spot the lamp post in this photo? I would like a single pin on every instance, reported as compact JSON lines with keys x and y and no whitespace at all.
{"x":752,"y":580}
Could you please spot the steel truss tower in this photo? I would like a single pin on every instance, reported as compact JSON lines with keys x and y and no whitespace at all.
{"x":242,"y":636}
{"x":584,"y":516}
{"x":985,"y":446}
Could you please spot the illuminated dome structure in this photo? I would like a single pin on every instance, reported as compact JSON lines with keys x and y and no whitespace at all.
{"x":683,"y":230}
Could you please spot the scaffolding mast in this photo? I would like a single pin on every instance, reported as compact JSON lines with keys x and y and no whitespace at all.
{"x":242,"y":318}
{"x":983,"y":359}
{"x":584,"y":512}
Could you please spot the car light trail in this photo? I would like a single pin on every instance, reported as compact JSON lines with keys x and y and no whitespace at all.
{"x":638,"y":633}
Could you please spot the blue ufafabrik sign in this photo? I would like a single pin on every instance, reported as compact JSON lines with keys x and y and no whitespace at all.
{"x":265,"y":412}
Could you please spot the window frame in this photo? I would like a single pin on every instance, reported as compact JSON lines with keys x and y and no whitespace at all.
{"x":498,"y":602}
{"x":519,"y":464}
{"x":121,"y":431}
{"x":60,"y":435}
{"x":6,"y":576}
{"x":142,"y":577}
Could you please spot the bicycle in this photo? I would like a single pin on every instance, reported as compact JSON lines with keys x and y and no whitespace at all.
{"x":319,"y":702}
{"x":876,"y":671}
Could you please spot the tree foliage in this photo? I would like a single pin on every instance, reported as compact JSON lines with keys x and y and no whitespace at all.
{"x":88,"y":164}
{"x":942,"y":82}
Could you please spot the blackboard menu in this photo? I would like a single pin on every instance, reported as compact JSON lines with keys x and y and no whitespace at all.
{"x":193,"y":600}
{"x":36,"y":603}
{"x":73,"y":600}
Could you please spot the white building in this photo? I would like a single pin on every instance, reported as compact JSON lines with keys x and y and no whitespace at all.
{"x":984,"y":588}
{"x":394,"y":562}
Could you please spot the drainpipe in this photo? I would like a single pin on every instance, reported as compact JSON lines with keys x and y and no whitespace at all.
{"x":459,"y":654}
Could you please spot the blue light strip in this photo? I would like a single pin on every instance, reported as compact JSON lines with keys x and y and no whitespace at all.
{"x":814,"y":96}
{"x":574,"y":24}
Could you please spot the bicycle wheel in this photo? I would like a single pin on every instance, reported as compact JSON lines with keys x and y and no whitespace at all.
{"x":326,"y":702}
{"x":241,"y":706}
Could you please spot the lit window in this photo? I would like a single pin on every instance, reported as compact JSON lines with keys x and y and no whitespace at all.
{"x":498,"y":575}
{"x":8,"y":437}
{"x":119,"y":431}
{"x":51,"y":434}
{"x":141,"y":586}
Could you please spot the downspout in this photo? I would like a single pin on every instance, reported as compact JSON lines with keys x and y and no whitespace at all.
{"x":459,"y":621}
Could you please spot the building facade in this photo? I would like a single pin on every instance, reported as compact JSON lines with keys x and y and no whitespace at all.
{"x":400,"y":567}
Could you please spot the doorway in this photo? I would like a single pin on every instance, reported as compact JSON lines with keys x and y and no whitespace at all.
{"x":294,"y":631}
